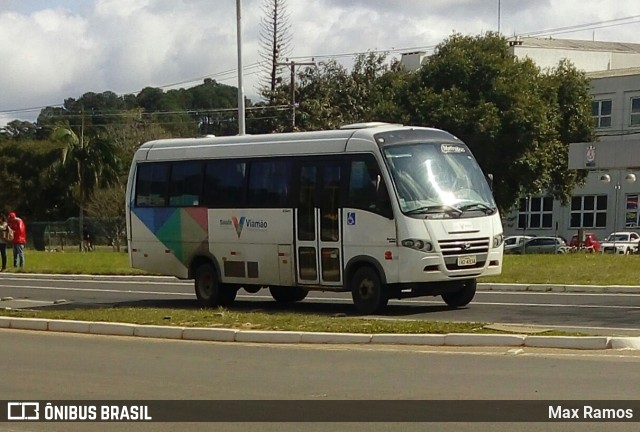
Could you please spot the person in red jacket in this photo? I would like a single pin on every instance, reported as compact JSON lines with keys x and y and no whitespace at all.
{"x":19,"y":239}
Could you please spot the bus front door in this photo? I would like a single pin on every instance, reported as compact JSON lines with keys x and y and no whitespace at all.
{"x":318,"y":230}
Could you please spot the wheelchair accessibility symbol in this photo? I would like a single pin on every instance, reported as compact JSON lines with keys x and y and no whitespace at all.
{"x":351,"y":218}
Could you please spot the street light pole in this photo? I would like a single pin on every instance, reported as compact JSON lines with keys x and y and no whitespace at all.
{"x":241,"y":111}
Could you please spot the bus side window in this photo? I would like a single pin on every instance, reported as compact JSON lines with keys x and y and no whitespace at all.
{"x":185,"y":184}
{"x":224,"y":184}
{"x":269,"y":183}
{"x":151,"y":184}
{"x":367,"y":189}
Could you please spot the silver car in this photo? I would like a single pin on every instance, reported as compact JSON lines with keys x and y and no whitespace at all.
{"x":540,"y":245}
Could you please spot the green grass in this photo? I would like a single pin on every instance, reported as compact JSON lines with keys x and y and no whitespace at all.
{"x":283,"y":321}
{"x":564,"y":269}
{"x":570,"y":269}
{"x":102,"y":261}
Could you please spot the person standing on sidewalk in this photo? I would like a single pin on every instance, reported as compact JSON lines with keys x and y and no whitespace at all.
{"x":19,"y":239}
{"x":5,"y":237}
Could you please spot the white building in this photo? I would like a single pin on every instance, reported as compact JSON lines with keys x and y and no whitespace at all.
{"x":608,"y":201}
{"x":599,"y":206}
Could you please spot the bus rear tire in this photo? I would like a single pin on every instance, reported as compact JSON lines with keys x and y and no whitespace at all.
{"x":463,"y":296}
{"x":368,"y":293}
{"x":206,"y":285}
{"x":283,"y":294}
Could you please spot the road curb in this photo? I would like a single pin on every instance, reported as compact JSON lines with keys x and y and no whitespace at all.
{"x":260,"y":336}
{"x":482,"y":286}
{"x":599,"y":289}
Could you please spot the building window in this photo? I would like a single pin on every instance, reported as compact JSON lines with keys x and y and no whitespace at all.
{"x":535,"y":212}
{"x":635,"y":111}
{"x":589,"y":211}
{"x":632,"y":214}
{"x":601,"y":112}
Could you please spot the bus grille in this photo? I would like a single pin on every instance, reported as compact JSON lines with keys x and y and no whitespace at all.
{"x":452,"y":249}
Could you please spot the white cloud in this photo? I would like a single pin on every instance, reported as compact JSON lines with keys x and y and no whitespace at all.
{"x":64,"y":48}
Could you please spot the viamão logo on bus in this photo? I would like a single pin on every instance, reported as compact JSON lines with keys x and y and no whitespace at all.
{"x":239,"y":223}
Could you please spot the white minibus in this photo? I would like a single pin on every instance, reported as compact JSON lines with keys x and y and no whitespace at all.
{"x":383,"y":211}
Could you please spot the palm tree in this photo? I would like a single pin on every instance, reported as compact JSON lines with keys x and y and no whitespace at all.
{"x":88,"y":161}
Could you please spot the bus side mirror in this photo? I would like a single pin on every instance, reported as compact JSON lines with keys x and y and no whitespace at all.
{"x":490,"y":181}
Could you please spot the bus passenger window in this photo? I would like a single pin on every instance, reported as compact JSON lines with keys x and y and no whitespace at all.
{"x":185,"y":184}
{"x":224,"y":182}
{"x":269,"y":184}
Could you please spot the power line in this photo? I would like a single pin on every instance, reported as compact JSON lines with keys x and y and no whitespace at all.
{"x":589,"y":26}
{"x":251,"y":69}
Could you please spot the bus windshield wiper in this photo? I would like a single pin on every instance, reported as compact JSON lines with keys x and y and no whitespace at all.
{"x":435,"y":209}
{"x":479,"y":206}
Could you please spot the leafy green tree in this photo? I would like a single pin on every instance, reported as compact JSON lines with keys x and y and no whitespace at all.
{"x":390,"y":97}
{"x":132,"y":130}
{"x":27,"y":184}
{"x":107,"y":211}
{"x":331,"y":96}
{"x":87,"y":162}
{"x":20,"y":130}
{"x":517,"y":120}
{"x":213,"y":107}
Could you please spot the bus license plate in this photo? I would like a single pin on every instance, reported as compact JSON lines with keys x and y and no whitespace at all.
{"x":467,"y":260}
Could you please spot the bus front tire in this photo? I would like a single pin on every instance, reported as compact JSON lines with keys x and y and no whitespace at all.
{"x":368,"y":293}
{"x":461,"y":297}
{"x":283,"y":294}
{"x":206,"y":285}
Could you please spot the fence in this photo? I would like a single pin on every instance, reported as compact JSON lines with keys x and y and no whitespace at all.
{"x":58,"y":236}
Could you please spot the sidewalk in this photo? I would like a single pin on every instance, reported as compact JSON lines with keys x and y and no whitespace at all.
{"x":293,"y":337}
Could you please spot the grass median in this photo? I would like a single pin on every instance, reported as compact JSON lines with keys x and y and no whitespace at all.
{"x":572,"y":269}
{"x":563,"y":269}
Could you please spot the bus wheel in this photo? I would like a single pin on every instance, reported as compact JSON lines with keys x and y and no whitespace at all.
{"x":463,"y":296}
{"x":368,"y":293}
{"x":226,"y":295}
{"x":283,"y":294}
{"x":206,"y":285}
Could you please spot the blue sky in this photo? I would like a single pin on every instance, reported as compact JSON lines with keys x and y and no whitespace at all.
{"x":56,"y":49}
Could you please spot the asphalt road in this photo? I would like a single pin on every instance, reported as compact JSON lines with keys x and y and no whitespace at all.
{"x":612,"y":314}
{"x":50,"y":366}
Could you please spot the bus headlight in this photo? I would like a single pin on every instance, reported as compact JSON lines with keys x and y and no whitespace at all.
{"x":418,"y":244}
{"x":497,"y":240}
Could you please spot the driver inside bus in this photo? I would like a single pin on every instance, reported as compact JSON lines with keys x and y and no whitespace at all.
{"x":377,"y":194}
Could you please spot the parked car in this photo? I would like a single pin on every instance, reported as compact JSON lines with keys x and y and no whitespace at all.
{"x":622,"y":242}
{"x":590,"y":242}
{"x":513,"y":242}
{"x":549,"y":245}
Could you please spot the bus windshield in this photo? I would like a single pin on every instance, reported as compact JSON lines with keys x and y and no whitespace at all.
{"x":439,"y":178}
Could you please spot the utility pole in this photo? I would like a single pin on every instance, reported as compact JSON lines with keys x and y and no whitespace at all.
{"x":292,"y":66}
